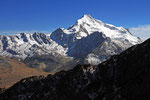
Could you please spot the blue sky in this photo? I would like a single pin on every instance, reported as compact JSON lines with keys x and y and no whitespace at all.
{"x":47,"y":15}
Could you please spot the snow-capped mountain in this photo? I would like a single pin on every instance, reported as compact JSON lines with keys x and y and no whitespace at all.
{"x":88,"y":25}
{"x":88,"y":39}
{"x":93,"y":40}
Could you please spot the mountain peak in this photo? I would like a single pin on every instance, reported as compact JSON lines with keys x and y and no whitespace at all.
{"x":84,"y":23}
{"x":87,"y":16}
{"x":86,"y":19}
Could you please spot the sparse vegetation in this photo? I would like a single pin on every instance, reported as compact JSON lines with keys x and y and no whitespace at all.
{"x":13,"y":70}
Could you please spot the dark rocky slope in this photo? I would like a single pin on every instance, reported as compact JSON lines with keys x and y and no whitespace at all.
{"x":122,"y":77}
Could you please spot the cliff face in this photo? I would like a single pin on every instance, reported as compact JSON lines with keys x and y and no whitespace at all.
{"x":122,"y":77}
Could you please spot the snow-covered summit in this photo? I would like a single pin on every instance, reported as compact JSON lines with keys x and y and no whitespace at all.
{"x":82,"y":39}
{"x":88,"y":25}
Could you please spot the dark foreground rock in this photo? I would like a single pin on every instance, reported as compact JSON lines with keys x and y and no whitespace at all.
{"x":122,"y":77}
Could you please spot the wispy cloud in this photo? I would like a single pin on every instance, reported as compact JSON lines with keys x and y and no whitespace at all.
{"x":21,"y":31}
{"x":142,"y":31}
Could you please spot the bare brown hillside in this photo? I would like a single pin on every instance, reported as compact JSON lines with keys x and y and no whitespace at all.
{"x":12,"y":70}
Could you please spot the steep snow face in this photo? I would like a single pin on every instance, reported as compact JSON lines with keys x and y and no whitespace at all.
{"x":88,"y":39}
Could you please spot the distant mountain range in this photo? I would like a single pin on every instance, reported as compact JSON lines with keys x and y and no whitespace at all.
{"x":88,"y":41}
{"x":125,"y":76}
